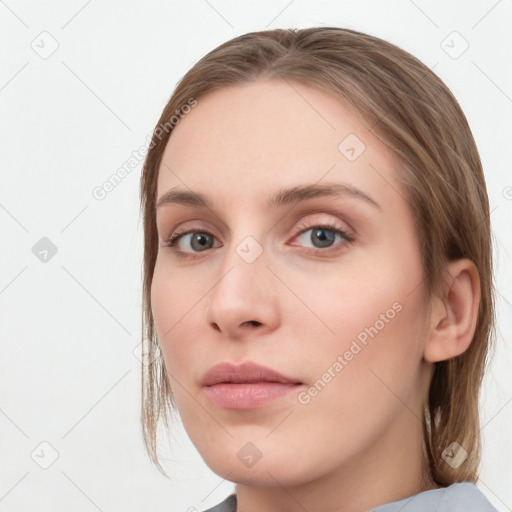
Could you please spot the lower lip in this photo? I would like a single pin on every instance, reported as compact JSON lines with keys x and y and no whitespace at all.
{"x":248,"y":395}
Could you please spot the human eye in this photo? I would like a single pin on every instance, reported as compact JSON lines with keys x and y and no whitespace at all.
{"x":190,"y":242}
{"x":197,"y":239}
{"x":323,"y":236}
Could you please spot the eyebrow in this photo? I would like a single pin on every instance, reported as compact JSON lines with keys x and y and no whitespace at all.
{"x":281,"y":198}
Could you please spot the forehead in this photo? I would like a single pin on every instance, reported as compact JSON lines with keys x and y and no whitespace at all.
{"x":254,"y":137}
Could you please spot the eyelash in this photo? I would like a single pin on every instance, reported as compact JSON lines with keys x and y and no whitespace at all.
{"x":348,"y":239}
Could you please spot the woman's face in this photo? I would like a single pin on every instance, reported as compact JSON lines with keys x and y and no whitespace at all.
{"x":325,"y":289}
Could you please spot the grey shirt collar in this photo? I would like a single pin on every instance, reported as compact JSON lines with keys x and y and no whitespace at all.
{"x":459,"y":496}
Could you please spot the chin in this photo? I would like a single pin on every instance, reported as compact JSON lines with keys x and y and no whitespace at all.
{"x":248,"y":465}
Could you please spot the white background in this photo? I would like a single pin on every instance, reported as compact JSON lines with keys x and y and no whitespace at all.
{"x":69,"y":326}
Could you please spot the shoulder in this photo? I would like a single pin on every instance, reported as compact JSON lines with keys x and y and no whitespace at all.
{"x":458,"y":497}
{"x":228,"y":505}
{"x":464,"y":496}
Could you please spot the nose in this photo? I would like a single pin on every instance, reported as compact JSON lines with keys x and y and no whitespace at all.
{"x":244,"y":300}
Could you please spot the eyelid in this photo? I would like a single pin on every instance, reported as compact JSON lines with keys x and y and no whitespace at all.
{"x":187,"y":227}
{"x":302,"y":225}
{"x":298,"y":213}
{"x":341,"y":215}
{"x":337,"y":224}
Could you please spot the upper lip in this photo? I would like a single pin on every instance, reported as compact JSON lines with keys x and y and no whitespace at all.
{"x":245,"y":372}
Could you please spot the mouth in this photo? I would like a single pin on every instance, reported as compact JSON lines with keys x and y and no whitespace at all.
{"x":246,"y":386}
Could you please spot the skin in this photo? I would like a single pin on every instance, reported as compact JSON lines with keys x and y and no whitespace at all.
{"x":357,"y":444}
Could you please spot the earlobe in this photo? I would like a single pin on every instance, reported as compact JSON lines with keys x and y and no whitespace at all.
{"x":454,"y":316}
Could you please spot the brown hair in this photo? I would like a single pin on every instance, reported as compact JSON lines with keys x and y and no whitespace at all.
{"x":413,"y":112}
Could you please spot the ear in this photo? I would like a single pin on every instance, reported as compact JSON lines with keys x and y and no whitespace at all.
{"x":454,"y":316}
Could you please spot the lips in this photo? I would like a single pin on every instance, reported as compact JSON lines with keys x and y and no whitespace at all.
{"x":246,"y":386}
{"x":247,"y":372}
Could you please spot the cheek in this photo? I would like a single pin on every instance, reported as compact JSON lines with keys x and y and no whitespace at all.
{"x":174,"y":306}
{"x":175,"y":315}
{"x":379,"y":331}
{"x":373,"y":310}
{"x":353,"y":303}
